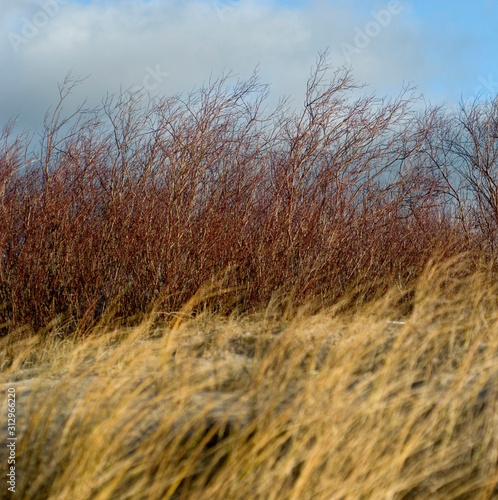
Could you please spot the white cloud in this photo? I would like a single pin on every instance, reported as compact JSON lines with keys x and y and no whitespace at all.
{"x":118,"y":43}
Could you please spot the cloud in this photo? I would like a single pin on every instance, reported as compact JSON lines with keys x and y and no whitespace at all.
{"x":170,"y":46}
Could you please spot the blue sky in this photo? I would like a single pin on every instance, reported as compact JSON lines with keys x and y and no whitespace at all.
{"x":476,"y":25}
{"x":447,"y":49}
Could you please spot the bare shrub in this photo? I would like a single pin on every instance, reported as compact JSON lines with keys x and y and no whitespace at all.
{"x":141,"y":202}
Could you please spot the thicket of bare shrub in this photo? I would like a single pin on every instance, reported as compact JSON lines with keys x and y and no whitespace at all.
{"x":140,"y":202}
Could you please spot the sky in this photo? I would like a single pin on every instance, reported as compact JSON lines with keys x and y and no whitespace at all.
{"x":446,"y":49}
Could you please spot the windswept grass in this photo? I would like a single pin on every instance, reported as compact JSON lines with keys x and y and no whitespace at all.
{"x":329,"y":405}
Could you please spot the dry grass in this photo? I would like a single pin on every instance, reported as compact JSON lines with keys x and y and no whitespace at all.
{"x":332,"y":405}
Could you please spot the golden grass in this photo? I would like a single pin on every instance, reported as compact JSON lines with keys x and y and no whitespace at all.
{"x":334,"y":405}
